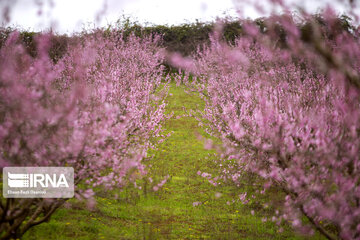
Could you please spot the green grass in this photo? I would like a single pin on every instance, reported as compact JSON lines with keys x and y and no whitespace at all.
{"x":169,"y":213}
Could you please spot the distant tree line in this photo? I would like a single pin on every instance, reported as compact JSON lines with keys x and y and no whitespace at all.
{"x":185,"y":38}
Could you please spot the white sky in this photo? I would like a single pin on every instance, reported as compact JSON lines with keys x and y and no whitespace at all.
{"x":71,"y":15}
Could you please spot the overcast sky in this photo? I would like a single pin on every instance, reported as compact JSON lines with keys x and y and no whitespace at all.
{"x":71,"y":15}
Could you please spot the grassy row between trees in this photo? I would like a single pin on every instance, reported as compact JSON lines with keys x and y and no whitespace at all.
{"x":186,"y":207}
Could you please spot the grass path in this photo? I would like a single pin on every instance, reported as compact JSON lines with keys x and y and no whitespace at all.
{"x":169,"y":213}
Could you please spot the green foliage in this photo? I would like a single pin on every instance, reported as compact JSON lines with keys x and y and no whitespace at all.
{"x":28,"y":39}
{"x":184,"y":38}
{"x":58,"y":43}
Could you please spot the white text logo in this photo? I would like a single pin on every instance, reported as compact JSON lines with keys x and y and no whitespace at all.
{"x":35,"y":182}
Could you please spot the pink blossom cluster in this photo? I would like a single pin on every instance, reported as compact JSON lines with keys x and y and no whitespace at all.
{"x":161,"y":183}
{"x":212,"y":180}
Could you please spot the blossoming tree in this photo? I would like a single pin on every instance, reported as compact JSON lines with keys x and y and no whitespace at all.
{"x":284,"y":99}
{"x":94,"y":110}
